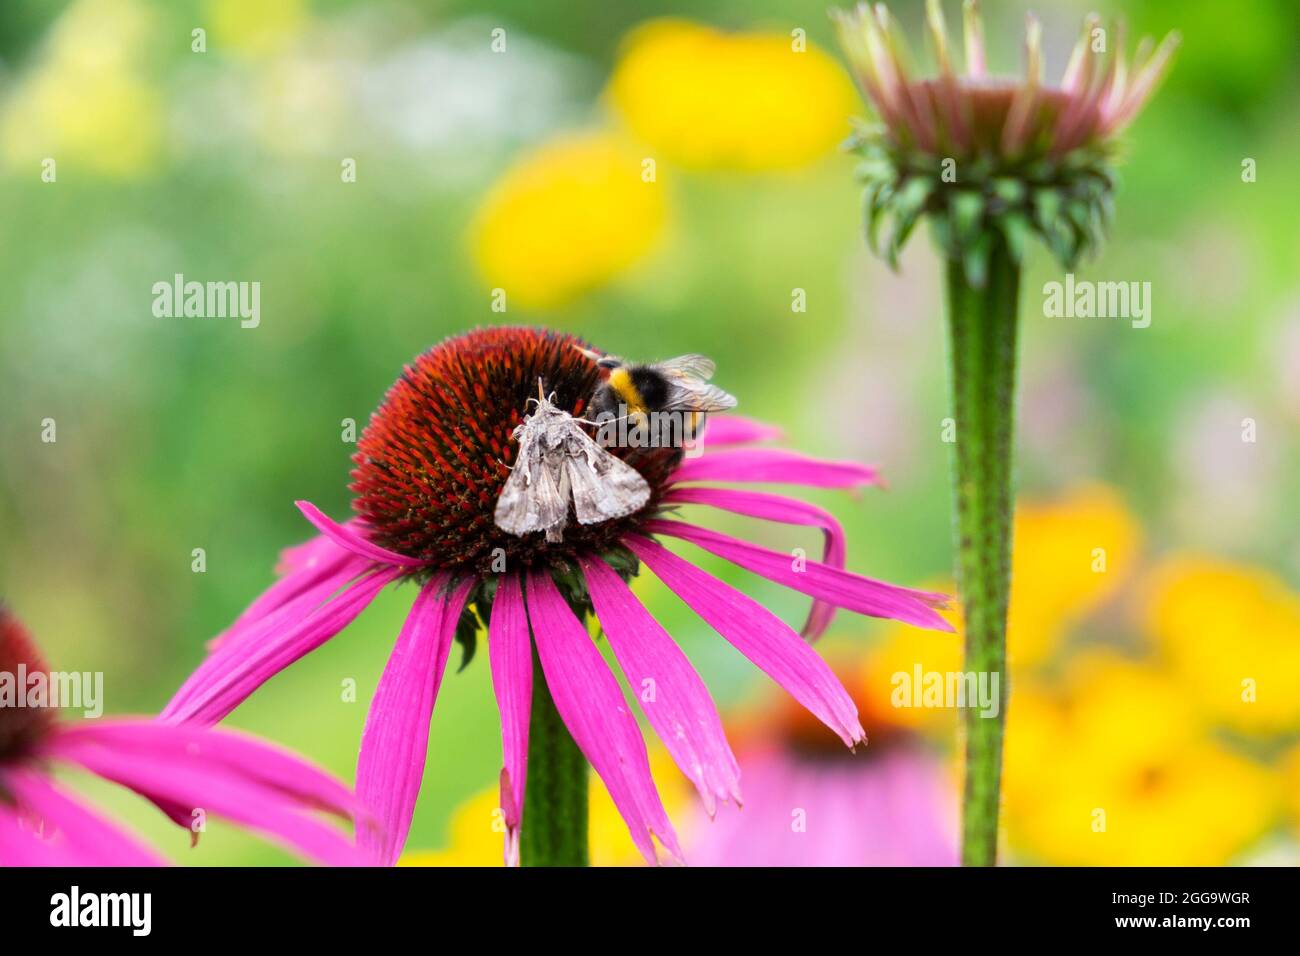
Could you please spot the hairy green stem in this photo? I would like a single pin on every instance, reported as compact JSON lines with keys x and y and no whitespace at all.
{"x":553,"y":830}
{"x":982,"y":340}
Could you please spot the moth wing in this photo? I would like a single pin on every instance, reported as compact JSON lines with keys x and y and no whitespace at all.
{"x":514,"y":512}
{"x":689,"y":366}
{"x":549,"y":501}
{"x":603,"y":487}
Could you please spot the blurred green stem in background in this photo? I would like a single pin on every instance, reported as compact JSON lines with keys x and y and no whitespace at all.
{"x":982,"y":341}
{"x":553,"y":830}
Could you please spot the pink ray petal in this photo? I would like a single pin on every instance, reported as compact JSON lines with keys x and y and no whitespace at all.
{"x":776,"y":466}
{"x":510,"y":653}
{"x":736,"y":430}
{"x":769,"y":507}
{"x":395,"y":742}
{"x":352,"y":540}
{"x":21,"y":846}
{"x":758,"y":634}
{"x":288,"y":613}
{"x":302,"y":568}
{"x":237,"y":668}
{"x":241,"y":753}
{"x":842,"y":588}
{"x":91,"y":840}
{"x":591,"y":704}
{"x":219,"y":791}
{"x":676,"y":702}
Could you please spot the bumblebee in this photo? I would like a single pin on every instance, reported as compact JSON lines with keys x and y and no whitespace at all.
{"x":661,"y":404}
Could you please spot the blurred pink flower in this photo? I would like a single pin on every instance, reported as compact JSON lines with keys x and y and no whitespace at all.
{"x":888,"y":804}
{"x":185,"y":771}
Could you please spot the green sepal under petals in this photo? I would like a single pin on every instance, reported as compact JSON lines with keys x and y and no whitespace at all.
{"x":1066,"y":203}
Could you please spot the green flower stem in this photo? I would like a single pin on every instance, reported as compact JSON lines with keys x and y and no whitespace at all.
{"x":554,"y":826}
{"x":982,"y":330}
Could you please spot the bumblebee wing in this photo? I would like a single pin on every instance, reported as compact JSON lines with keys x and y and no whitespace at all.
{"x":687,"y":366}
{"x":692,"y":395}
{"x":603,"y":487}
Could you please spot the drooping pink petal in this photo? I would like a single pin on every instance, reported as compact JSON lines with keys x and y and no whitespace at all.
{"x":395,"y":742}
{"x":241,"y":753}
{"x":90,"y":839}
{"x":758,"y":634}
{"x":352,"y":540}
{"x":736,"y":430}
{"x":841,"y":588}
{"x":672,"y":695}
{"x":276,"y":621}
{"x":591,"y":704}
{"x":237,"y":668}
{"x":218,"y":791}
{"x":302,"y":568}
{"x":20,"y":845}
{"x":510,"y":653}
{"x":769,"y":507}
{"x":775,"y":466}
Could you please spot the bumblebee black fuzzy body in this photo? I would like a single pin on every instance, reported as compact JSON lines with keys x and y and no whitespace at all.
{"x":663,"y":403}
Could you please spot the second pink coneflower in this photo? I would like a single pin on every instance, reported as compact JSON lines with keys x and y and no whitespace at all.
{"x":188,"y":772}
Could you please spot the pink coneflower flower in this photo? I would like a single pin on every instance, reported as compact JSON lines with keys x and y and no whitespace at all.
{"x":809,"y":804}
{"x":971,"y":149}
{"x":184,"y":770}
{"x":429,"y":469}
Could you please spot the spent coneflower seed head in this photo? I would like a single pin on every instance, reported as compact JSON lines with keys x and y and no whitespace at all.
{"x":977,"y":153}
{"x":431,"y":463}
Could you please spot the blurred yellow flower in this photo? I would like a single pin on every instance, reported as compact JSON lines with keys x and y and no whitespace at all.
{"x":253,"y":27}
{"x":1232,"y":635}
{"x":1116,"y":771}
{"x":901,"y":652}
{"x":566,"y":218}
{"x":83,"y":103}
{"x":1070,"y":555}
{"x":477,"y":834}
{"x":1291,"y":770}
{"x":704,"y":98}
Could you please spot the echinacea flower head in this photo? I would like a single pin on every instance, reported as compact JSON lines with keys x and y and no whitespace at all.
{"x":187,"y":772}
{"x":429,"y":470}
{"x":974,"y":151}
